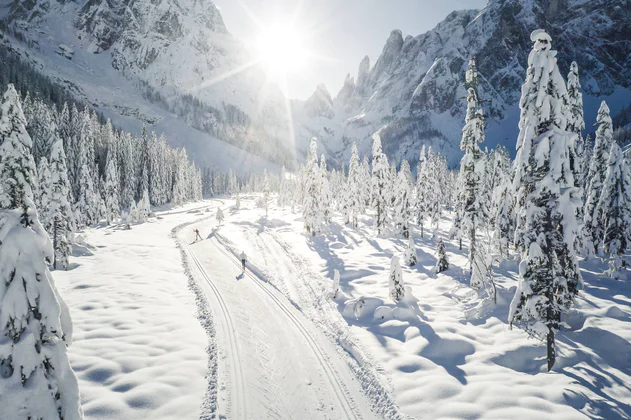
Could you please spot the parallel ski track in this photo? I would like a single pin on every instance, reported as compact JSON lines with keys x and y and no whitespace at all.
{"x":340,"y":392}
{"x":237,"y":398}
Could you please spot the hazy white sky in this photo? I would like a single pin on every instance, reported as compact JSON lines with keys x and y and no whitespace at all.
{"x":339,"y":32}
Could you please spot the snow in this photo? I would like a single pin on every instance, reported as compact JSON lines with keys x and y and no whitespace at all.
{"x":279,"y":345}
{"x":433,"y":356}
{"x":139,"y":350}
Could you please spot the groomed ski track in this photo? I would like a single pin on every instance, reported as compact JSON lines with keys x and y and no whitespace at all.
{"x":273,"y":363}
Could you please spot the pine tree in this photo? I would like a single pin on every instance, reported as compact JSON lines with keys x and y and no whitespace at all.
{"x":411,"y":256}
{"x":237,"y":204}
{"x":395,"y":281}
{"x":379,"y":184}
{"x":422,"y":193}
{"x":549,"y":275}
{"x":442,"y":263}
{"x":615,"y":207}
{"x":594,"y":229}
{"x":44,"y":190}
{"x":403,"y":204}
{"x":86,"y":209}
{"x":266,"y":192}
{"x":311,"y":206}
{"x":35,"y":323}
{"x":324,"y":193}
{"x":472,"y":166}
{"x":354,"y":187}
{"x":336,"y":282}
{"x":220,"y":216}
{"x":60,"y":211}
{"x":111,"y":188}
{"x":578,"y":164}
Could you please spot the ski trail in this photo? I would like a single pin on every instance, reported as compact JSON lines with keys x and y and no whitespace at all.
{"x":237,"y":398}
{"x":341,"y":394}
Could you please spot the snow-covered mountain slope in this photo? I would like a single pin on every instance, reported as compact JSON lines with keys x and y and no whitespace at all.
{"x":414,"y":93}
{"x":173,"y":56}
{"x":174,"y":62}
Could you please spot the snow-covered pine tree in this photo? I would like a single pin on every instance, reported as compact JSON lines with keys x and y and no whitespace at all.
{"x":86,"y":207}
{"x":549,"y":275}
{"x":422,"y":191}
{"x":35,"y":323}
{"x":324,"y":193}
{"x":111,"y":187}
{"x":220,"y":216}
{"x":433,"y":188}
{"x":615,"y":208}
{"x":144,"y":207}
{"x":442,"y":263}
{"x":365,"y":183}
{"x":503,"y":213}
{"x":403,"y":204}
{"x":576,"y":124}
{"x":311,"y":205}
{"x":395,"y":281}
{"x":43,"y":189}
{"x":594,"y":228}
{"x":410,"y":256}
{"x":266,"y":192}
{"x":60,"y":211}
{"x":379,"y":183}
{"x":127,"y":173}
{"x":237,"y":204}
{"x":143,"y":164}
{"x":354,"y":187}
{"x":336,"y":282}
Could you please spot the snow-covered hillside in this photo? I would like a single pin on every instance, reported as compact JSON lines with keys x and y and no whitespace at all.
{"x":414,"y":93}
{"x":174,"y":65}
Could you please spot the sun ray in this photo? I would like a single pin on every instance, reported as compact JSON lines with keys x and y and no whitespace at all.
{"x":224,"y":76}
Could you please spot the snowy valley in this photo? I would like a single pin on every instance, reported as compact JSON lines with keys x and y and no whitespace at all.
{"x":446,"y":238}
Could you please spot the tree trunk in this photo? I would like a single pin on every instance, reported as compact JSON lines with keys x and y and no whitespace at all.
{"x":460,"y":244}
{"x":551,"y":351}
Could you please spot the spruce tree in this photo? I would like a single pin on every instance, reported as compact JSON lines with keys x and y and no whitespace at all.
{"x":403,"y":204}
{"x":422,"y":191}
{"x":615,"y":208}
{"x":324,"y":193}
{"x":44,"y":190}
{"x":60,"y":211}
{"x":442,"y":263}
{"x":111,"y":188}
{"x":472,"y":165}
{"x":220,"y":216}
{"x":395,"y":280}
{"x":311,"y":205}
{"x":411,"y":256}
{"x":594,"y":228}
{"x":266,"y":192}
{"x":35,"y":323}
{"x":379,"y":184}
{"x":549,"y":275}
{"x":354,"y":189}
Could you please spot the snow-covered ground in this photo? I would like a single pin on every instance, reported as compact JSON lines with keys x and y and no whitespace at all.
{"x":139,"y":349}
{"x":279,"y":346}
{"x":445,"y":352}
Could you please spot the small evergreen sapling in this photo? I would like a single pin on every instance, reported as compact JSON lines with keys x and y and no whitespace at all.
{"x":237,"y":204}
{"x":336,"y":283}
{"x":442,"y":263}
{"x":411,"y":256}
{"x":220,"y":216}
{"x":395,"y":283}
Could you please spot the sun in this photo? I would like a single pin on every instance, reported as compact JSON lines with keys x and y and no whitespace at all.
{"x":282,"y":49}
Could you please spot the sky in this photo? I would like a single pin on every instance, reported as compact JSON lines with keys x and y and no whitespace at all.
{"x":336,"y":33}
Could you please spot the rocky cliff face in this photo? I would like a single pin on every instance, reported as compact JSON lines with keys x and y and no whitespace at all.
{"x":179,"y":54}
{"x":414,"y":93}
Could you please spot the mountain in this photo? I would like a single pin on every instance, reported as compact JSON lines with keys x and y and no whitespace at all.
{"x":414,"y":93}
{"x":170,"y":63}
{"x":173,"y":65}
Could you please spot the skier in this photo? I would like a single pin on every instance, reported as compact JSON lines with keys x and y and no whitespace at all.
{"x":243,"y":259}
{"x":197,"y":234}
